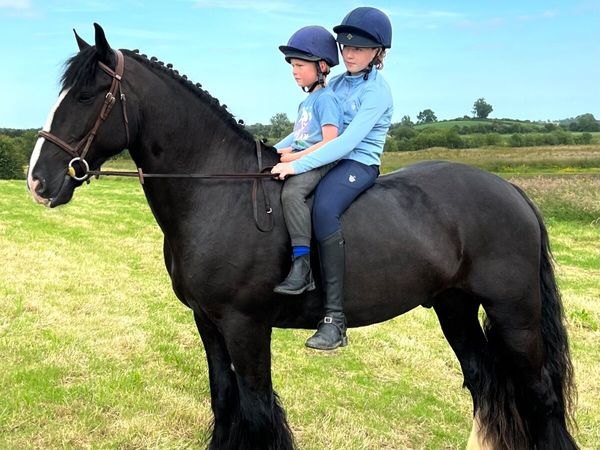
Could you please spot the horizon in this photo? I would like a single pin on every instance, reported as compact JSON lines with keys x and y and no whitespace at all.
{"x":536,"y":62}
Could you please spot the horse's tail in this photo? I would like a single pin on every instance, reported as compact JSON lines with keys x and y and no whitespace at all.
{"x":506,"y":414}
{"x":557,"y":358}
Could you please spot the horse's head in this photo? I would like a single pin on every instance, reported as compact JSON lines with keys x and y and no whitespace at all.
{"x":83,"y":129}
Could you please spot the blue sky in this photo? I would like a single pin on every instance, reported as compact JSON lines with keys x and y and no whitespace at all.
{"x":533,"y":59}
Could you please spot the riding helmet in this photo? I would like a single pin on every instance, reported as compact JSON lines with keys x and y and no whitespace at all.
{"x":313,"y":43}
{"x":365,"y":27}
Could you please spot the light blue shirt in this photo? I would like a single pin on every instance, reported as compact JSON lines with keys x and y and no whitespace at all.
{"x":367,"y":106}
{"x":320,"y":108}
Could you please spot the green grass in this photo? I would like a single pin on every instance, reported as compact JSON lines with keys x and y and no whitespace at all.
{"x":96,"y":351}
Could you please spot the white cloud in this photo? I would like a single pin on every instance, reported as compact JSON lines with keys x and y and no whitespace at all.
{"x":541,"y":15}
{"x":87,"y":7}
{"x":18,"y":5}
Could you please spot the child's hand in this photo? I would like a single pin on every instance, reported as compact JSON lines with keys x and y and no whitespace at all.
{"x":283,"y":151}
{"x":282,"y":170}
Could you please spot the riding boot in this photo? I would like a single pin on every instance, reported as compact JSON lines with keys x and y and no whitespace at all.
{"x":331,"y":331}
{"x":299,"y":279}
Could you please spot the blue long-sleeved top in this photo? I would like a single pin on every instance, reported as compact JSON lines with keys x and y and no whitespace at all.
{"x":368,"y":107}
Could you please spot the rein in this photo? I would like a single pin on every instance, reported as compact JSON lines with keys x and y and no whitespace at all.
{"x":257,"y":177}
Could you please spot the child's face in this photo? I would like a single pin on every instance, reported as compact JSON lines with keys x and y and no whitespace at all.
{"x":305,"y":72}
{"x":357,"y":58}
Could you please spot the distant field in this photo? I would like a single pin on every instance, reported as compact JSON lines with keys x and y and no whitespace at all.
{"x":468,"y":123}
{"x":96,"y":351}
{"x":568,"y":159}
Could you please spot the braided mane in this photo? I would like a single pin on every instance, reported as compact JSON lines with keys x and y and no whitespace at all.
{"x":80,"y":71}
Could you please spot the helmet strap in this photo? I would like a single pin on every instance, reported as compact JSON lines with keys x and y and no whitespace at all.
{"x":320,"y":79}
{"x":312,"y":87}
{"x":374,"y":62}
{"x":366,"y":71}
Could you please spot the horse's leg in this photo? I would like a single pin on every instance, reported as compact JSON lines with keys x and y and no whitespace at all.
{"x":524,"y":404}
{"x":262,"y":423}
{"x":542,"y":411}
{"x":458,"y":316}
{"x":223,"y":385}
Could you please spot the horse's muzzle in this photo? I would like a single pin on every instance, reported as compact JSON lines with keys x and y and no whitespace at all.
{"x":35,"y":186}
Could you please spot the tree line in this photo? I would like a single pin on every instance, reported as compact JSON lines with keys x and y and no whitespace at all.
{"x":465,"y":132}
{"x":15,"y":150}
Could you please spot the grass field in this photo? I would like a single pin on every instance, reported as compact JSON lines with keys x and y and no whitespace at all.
{"x":96,"y":351}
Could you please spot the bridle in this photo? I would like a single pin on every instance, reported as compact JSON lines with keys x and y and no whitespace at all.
{"x":80,"y":150}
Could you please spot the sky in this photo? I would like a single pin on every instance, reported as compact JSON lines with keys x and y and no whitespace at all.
{"x":529,"y":59}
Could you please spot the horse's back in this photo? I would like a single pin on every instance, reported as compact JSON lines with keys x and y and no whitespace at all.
{"x":423,"y":229}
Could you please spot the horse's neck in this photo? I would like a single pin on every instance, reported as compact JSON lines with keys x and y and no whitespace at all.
{"x":180,"y":133}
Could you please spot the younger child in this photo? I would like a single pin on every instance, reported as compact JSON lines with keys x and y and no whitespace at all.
{"x":311,"y":51}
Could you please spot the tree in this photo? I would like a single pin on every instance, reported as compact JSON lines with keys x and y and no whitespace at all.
{"x":11,"y":163}
{"x":406,"y":122}
{"x":481,"y":108}
{"x":426,"y":116}
{"x":403,"y":131}
{"x":280,"y":126}
{"x":259,"y":130}
{"x":587,"y":122}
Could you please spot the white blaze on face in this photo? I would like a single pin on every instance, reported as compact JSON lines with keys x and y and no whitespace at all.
{"x":38,"y":145}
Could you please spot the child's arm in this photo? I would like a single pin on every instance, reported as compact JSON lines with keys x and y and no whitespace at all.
{"x":329,"y":132}
{"x":285,"y":142}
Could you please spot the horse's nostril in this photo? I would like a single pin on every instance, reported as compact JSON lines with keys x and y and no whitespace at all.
{"x":37,"y":185}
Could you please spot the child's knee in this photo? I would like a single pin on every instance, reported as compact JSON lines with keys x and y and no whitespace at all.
{"x":291,"y":196}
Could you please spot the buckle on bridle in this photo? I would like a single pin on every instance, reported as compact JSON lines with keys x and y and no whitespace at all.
{"x":73,"y":173}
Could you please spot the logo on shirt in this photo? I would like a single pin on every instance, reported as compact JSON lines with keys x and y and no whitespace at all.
{"x":351,"y":178}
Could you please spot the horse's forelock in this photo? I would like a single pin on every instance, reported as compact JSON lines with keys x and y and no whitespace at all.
{"x":80,"y":70}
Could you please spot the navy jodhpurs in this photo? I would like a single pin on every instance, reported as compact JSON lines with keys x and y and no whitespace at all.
{"x":336,"y":191}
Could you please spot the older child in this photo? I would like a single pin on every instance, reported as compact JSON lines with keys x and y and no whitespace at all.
{"x":365,"y":34}
{"x":311,"y":51}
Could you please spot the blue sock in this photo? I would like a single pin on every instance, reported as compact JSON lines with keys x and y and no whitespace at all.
{"x":300,"y":250}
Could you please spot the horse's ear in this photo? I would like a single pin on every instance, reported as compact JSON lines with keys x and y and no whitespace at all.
{"x":80,"y":42}
{"x":102,"y":47}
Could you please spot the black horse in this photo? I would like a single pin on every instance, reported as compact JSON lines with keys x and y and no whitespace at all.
{"x":434,"y":234}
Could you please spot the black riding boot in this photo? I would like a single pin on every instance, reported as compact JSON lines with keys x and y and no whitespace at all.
{"x":331,"y":332}
{"x":299,"y":279}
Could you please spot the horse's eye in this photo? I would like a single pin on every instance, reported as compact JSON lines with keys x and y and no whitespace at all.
{"x":85,"y":97}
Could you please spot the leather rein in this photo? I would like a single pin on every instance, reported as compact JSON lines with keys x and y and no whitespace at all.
{"x":80,"y":151}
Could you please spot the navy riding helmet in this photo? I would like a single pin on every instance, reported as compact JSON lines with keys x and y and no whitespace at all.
{"x":312,"y":43}
{"x":365,"y":27}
